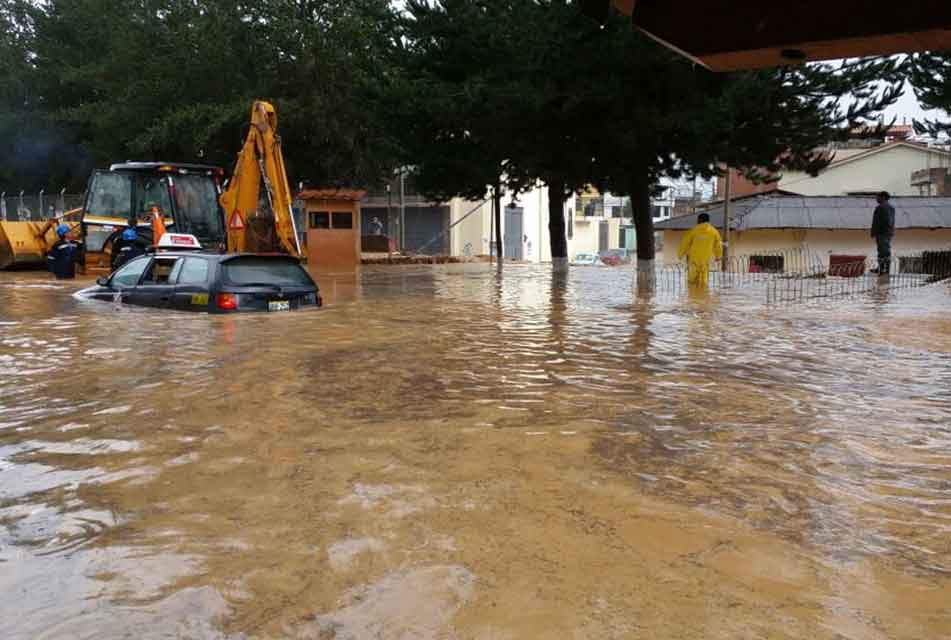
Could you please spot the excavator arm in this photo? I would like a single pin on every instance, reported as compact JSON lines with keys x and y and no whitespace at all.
{"x":260,"y":161}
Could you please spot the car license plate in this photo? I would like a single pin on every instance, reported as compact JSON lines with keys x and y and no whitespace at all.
{"x":279,"y":305}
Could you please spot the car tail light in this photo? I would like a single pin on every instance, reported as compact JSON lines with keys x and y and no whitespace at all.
{"x":227,"y":301}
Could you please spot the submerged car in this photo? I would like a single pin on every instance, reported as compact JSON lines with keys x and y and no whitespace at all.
{"x":585,"y":260}
{"x":190,"y":280}
{"x":615,"y":257}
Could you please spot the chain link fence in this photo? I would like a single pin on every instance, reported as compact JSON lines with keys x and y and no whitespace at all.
{"x":23,"y":207}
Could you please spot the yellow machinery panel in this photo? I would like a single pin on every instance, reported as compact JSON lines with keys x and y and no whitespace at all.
{"x":24,"y":244}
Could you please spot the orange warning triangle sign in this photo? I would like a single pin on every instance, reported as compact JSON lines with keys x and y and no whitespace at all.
{"x":237,"y":222}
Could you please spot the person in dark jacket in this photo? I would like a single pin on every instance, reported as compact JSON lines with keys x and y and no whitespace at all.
{"x":126,"y":247}
{"x":62,"y":257}
{"x":883,"y":230}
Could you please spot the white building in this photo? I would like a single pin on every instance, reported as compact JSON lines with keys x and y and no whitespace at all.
{"x":887,"y":167}
{"x":594,"y":222}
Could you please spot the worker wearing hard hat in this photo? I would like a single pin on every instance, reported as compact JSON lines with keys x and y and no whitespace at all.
{"x":700,"y":245}
{"x":126,"y":247}
{"x":62,"y":257}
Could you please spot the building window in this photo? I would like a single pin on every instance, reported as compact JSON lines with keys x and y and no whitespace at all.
{"x":319,"y":220}
{"x":767,"y":264}
{"x":342,"y":220}
{"x":571,"y":227}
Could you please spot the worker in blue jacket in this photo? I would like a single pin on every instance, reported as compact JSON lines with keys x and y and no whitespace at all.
{"x":62,"y":257}
{"x":126,"y":247}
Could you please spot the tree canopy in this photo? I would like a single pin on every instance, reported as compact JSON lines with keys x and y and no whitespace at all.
{"x":109,"y":80}
{"x":931,"y":78}
{"x":539,"y":90}
{"x":467,"y":92}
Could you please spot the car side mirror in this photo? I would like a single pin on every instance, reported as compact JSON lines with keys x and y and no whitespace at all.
{"x":102,"y":281}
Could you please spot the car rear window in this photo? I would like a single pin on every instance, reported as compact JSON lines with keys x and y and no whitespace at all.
{"x":250,"y":270}
{"x":194,"y":272}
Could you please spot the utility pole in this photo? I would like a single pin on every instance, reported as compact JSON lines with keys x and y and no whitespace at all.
{"x":390,"y":227}
{"x":728,"y":193}
{"x":497,"y":202}
{"x":693,"y":197}
{"x":492,"y":235}
{"x":402,"y":211}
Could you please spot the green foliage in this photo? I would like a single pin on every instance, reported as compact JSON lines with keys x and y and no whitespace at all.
{"x":534,"y":89}
{"x":931,"y":78}
{"x":175,"y":79}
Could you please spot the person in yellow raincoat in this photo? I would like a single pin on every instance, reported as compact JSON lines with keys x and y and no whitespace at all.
{"x":700,"y":245}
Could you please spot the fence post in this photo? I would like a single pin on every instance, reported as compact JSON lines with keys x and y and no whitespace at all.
{"x":3,"y":206}
{"x":20,"y":206}
{"x":62,"y":201}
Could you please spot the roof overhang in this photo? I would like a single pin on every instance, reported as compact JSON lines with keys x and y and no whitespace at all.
{"x":750,"y":34}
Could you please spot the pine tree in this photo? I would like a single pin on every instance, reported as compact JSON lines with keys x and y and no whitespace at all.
{"x":671,"y":118}
{"x":931,"y":77}
{"x":548,"y":94}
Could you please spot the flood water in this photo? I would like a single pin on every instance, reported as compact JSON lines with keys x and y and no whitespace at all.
{"x":444,"y":453}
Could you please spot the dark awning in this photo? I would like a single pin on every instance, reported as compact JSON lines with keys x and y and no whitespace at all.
{"x":749,"y":34}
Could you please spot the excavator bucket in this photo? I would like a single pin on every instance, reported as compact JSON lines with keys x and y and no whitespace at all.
{"x":24,"y":244}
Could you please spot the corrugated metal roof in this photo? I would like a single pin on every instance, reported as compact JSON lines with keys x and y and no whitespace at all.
{"x":822,"y":212}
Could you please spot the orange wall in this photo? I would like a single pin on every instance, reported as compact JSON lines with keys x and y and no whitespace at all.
{"x":740,"y":186}
{"x":333,"y":249}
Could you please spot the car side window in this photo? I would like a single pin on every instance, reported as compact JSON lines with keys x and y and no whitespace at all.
{"x":128,"y":275}
{"x":177,"y":269}
{"x":194,"y":272}
{"x":160,"y":271}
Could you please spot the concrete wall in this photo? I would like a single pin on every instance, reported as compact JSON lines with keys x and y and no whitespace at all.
{"x":478,"y":231}
{"x":473,"y":232}
{"x":889,"y":170}
{"x":586,"y":235}
{"x":820,"y":242}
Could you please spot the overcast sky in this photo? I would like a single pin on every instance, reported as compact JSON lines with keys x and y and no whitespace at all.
{"x":908,"y":107}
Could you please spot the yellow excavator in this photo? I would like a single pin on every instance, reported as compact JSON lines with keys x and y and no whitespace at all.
{"x":24,"y":243}
{"x":261,"y":161}
{"x":187,"y":198}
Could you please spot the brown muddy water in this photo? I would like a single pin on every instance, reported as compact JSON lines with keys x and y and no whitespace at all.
{"x":442,"y":453}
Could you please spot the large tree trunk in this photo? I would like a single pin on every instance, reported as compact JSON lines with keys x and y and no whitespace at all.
{"x":644,"y":227}
{"x":556,"y":223}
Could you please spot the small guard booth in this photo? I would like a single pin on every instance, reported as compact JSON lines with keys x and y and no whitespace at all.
{"x":333,"y":224}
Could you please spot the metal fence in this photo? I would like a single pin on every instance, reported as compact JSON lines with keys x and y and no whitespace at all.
{"x":800,"y":274}
{"x":40,"y":206}
{"x":853,"y":278}
{"x":741,"y":270}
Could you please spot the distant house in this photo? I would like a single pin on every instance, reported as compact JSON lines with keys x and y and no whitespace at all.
{"x":855,"y":171}
{"x":825,"y":226}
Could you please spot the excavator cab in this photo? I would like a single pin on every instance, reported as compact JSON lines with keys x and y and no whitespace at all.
{"x":184,"y":195}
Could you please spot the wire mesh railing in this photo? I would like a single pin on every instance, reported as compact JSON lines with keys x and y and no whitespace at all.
{"x":863,"y":276}
{"x":800,"y":274}
{"x":23,"y":207}
{"x":738,"y":271}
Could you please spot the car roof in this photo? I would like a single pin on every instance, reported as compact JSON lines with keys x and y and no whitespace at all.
{"x":219,"y":257}
{"x":130,"y":165}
